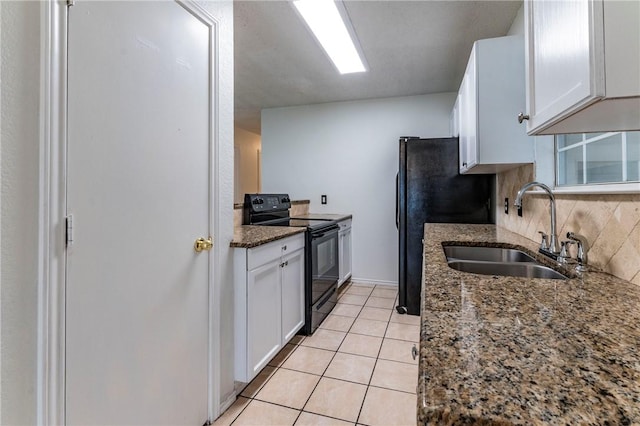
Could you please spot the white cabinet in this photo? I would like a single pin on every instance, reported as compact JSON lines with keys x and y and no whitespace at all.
{"x":468,"y":137}
{"x":454,"y":123}
{"x":292,"y":285}
{"x":262,"y":313}
{"x":490,"y":96}
{"x":344,"y":251}
{"x":269,"y":302}
{"x":583,"y":66}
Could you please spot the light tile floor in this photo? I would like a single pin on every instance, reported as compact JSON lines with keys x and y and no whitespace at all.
{"x":355,"y":369}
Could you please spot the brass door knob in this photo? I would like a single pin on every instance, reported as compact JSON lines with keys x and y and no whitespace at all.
{"x":203,"y":244}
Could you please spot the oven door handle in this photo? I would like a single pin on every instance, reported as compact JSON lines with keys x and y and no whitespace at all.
{"x":325,"y":232}
{"x":397,"y":200}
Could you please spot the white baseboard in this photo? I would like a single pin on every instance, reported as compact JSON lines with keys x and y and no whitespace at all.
{"x":228,"y":402}
{"x":358,"y":280}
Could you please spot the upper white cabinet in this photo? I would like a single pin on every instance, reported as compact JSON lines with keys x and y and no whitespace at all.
{"x":490,"y":96}
{"x":454,"y":122}
{"x":583,"y":66}
{"x":468,"y":118}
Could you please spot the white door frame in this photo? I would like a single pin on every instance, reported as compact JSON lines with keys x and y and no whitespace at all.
{"x":52,"y":210}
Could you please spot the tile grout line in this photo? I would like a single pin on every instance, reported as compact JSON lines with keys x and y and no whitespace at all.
{"x":318,"y":382}
{"x":325,"y":369}
{"x":297,"y":345}
{"x":366,"y":391}
{"x":276,"y":368}
{"x":376,"y":359}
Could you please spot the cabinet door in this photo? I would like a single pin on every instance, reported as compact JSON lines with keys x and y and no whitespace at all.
{"x":468,"y":117}
{"x":292,"y":294}
{"x":341,"y":266}
{"x":345,"y":272}
{"x":455,"y":118}
{"x":263,"y":315}
{"x":565,"y":58}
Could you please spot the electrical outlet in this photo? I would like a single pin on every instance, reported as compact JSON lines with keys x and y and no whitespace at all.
{"x":506,"y":206}
{"x":323,"y":199}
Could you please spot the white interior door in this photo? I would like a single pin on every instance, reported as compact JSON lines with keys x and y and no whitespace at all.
{"x":138,"y":175}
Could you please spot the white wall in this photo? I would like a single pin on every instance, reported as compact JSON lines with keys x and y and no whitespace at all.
{"x":0,"y":219}
{"x":247,"y":179}
{"x":349,"y":151}
{"x":19,"y":134}
{"x":517,"y":26}
{"x":19,"y":54}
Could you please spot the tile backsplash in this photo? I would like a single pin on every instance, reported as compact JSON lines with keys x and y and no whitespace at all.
{"x":611,"y":223}
{"x":299,"y":208}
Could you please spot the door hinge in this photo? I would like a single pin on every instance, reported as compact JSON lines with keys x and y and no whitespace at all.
{"x":71,"y":2}
{"x":69,"y":230}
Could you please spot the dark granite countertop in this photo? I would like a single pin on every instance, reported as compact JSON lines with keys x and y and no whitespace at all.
{"x":509,"y":350}
{"x":248,"y":236}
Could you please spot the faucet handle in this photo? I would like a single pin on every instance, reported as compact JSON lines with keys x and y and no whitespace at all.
{"x":564,"y":251}
{"x":544,"y":244}
{"x":583,"y":248}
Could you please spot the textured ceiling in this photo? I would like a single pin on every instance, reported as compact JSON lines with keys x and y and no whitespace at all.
{"x":412,"y":48}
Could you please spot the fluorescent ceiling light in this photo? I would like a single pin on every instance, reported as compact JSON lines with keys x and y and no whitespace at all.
{"x":326,"y":23}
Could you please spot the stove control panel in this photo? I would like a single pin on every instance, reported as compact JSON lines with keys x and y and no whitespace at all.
{"x":266,"y":202}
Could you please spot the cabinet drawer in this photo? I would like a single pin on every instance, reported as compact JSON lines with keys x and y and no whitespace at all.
{"x":293,"y":243}
{"x":268,"y":252}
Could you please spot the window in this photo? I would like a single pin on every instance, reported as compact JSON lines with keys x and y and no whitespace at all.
{"x":597,"y":158}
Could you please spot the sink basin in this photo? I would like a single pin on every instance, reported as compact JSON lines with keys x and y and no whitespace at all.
{"x":513,"y":269}
{"x":497,"y":261}
{"x":487,"y":254}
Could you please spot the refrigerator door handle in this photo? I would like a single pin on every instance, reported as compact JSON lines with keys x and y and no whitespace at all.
{"x":397,"y":202}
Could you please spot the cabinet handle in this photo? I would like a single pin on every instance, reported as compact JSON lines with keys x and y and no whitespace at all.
{"x":464,"y":164}
{"x":414,"y":352}
{"x":522,"y":117}
{"x":284,"y":247}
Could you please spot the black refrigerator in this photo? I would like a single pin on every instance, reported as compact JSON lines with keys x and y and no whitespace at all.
{"x":430,"y":189}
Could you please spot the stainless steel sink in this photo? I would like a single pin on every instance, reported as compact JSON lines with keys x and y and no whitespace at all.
{"x":513,"y":269}
{"x":497,"y":261}
{"x":488,"y":254}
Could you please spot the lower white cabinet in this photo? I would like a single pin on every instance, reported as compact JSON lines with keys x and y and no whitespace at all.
{"x":292,"y":287}
{"x":269,"y":302}
{"x":344,"y":251}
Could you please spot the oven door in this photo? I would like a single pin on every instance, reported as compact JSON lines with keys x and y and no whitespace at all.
{"x":324,"y":261}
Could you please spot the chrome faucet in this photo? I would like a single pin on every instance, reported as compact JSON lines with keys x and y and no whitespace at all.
{"x":552,"y":247}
